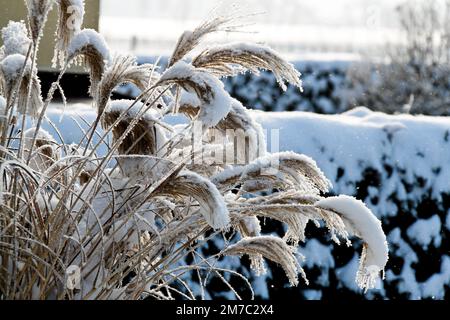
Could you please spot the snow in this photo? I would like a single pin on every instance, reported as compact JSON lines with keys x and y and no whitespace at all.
{"x":434,"y":287}
{"x":313,"y":294}
{"x":227,"y":174}
{"x":132,"y":109}
{"x":40,"y":161}
{"x":42,"y":135}
{"x":15,"y":38}
{"x":89,"y":37}
{"x":447,"y":221}
{"x":253,"y":130}
{"x":347,"y":273}
{"x":407,"y":279}
{"x":317,"y":254}
{"x":219,"y":217}
{"x":426,"y":232}
{"x":216,"y":101}
{"x":190,"y":99}
{"x":362,"y":223}
{"x":12,"y":66}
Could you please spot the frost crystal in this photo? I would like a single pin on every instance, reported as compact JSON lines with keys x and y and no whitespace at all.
{"x":15,"y":39}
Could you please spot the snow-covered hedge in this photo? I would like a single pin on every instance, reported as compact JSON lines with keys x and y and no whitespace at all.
{"x":322,"y":84}
{"x":399,"y":166}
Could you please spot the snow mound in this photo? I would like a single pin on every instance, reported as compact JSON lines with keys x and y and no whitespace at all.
{"x":12,"y":66}
{"x":15,"y":38}
{"x":89,"y":37}
{"x":360,"y":221}
{"x":216,"y":102}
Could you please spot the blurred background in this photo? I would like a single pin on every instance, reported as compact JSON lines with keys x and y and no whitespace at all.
{"x":293,"y":27}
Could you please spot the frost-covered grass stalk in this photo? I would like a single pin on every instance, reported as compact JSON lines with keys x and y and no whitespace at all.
{"x":75,"y":224}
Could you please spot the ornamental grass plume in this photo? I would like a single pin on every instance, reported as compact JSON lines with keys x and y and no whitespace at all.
{"x":127,"y":214}
{"x":70,"y":21}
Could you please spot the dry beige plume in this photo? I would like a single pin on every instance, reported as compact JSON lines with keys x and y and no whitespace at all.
{"x":37,"y":16}
{"x":192,"y":80}
{"x":230,"y":59}
{"x":89,"y":46}
{"x":46,"y":151}
{"x":240,"y":121}
{"x":238,"y":124}
{"x":285,"y":170}
{"x":146,"y":136}
{"x":291,"y":208}
{"x":11,"y":69}
{"x":295,"y":209}
{"x":190,"y":39}
{"x":272,"y":248}
{"x":124,"y":69}
{"x":204,"y":160}
{"x":71,"y":15}
{"x":249,"y":226}
{"x":215,"y":102}
{"x":190,"y":184}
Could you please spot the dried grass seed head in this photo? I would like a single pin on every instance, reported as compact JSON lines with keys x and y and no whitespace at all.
{"x":70,"y":19}
{"x":272,"y":248}
{"x":38,"y":11}
{"x":189,"y":40}
{"x":212,"y":205}
{"x":124,"y":69}
{"x":230,"y":59}
{"x":215,"y":101}
{"x":147,"y":137}
{"x":45,"y":152}
{"x":361,"y":222}
{"x":11,"y":70}
{"x":92,"y":48}
{"x":285,"y":170}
